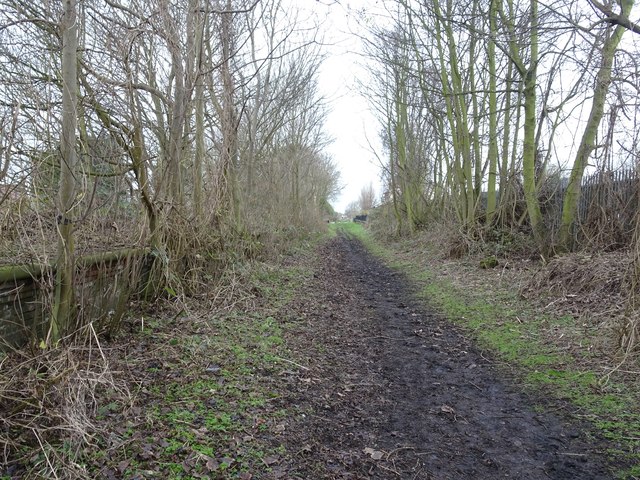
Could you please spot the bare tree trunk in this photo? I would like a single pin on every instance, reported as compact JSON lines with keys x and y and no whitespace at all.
{"x":393,"y":174}
{"x":529,"y":76}
{"x":505,"y":171}
{"x":493,"y":116}
{"x":587,"y":144}
{"x":530,"y":148}
{"x":174,"y":148}
{"x":457,"y":110}
{"x":63,"y":307}
{"x":198,"y":160}
{"x":229,"y":121}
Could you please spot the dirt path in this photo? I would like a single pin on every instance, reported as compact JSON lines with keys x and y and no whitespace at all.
{"x":393,"y":391}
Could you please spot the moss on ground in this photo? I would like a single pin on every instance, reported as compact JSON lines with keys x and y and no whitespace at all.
{"x":207,"y":402}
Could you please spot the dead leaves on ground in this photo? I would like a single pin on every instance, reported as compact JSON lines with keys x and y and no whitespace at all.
{"x":374,"y":454}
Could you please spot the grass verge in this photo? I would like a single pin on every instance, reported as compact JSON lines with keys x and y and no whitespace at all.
{"x":519,"y":336}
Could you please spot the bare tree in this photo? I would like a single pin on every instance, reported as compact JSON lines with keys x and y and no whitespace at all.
{"x":610,"y":39}
{"x":63,"y":307}
{"x":186,"y":121}
{"x":367,"y":198}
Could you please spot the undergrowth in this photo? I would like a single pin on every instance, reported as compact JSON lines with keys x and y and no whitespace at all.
{"x":518,"y":336}
{"x":188,"y":388}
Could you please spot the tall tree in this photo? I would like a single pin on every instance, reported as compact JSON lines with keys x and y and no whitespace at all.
{"x":367,"y":198}
{"x":493,"y":112}
{"x":63,"y":307}
{"x":611,"y":37}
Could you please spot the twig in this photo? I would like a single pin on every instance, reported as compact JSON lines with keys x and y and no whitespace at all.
{"x":292,"y":363}
{"x":475,"y":386}
{"x":383,"y":338}
{"x":349,"y":385}
{"x":44,"y":452}
{"x":398,"y":450}
{"x":390,"y":470}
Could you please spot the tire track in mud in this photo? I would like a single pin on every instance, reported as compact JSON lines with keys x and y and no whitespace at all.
{"x":395,"y":391}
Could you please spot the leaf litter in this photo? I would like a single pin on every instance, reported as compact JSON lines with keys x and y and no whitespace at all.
{"x":353,"y":380}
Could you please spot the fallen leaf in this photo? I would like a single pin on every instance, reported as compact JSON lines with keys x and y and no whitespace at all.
{"x":268,"y":461}
{"x":200,"y":432}
{"x":447,"y":409}
{"x":136,"y":411}
{"x":278,"y":472}
{"x":147,"y":452}
{"x":374,"y":454}
{"x":306,"y":449}
{"x":213,"y":368}
{"x":212,"y":464}
{"x":109,"y":475}
{"x":245,"y":476}
{"x":123,"y":465}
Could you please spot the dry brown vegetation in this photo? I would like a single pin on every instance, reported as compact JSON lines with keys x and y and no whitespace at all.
{"x":95,"y":407}
{"x":49,"y":400}
{"x":190,"y":132}
{"x":596,"y":289}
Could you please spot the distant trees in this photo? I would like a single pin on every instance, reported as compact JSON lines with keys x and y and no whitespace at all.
{"x":206,"y":111}
{"x":367,"y":198}
{"x":397,"y":98}
{"x":479,"y":104}
{"x":364,"y":204}
{"x":352,"y":210}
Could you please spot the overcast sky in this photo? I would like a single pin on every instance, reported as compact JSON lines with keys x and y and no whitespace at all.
{"x":350,"y":123}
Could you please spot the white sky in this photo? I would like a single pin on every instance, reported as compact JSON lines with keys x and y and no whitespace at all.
{"x":350,"y":123}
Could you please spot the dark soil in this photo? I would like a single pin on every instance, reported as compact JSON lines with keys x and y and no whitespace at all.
{"x":395,"y":391}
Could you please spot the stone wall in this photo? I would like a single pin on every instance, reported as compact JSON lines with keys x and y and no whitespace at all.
{"x":104,"y":285}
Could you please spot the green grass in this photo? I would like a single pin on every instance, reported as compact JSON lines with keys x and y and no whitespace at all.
{"x":202,"y":388}
{"x":222,"y":405}
{"x":192,"y":414}
{"x":508,"y":327}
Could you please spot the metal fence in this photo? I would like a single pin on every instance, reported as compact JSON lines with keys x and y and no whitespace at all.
{"x":607,"y":209}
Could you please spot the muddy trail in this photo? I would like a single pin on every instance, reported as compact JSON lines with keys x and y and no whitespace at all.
{"x":395,"y":391}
